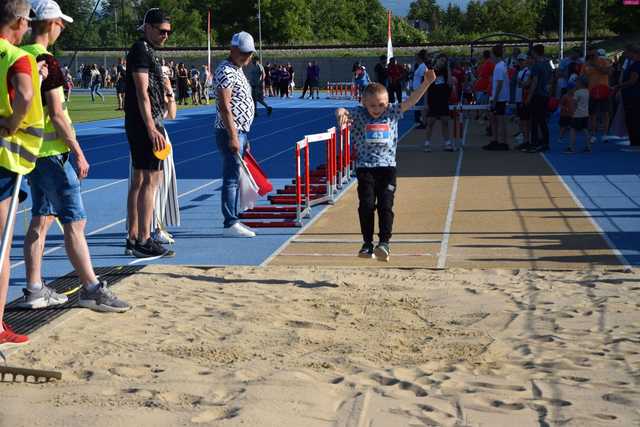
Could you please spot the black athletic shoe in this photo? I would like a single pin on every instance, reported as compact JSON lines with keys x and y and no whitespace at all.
{"x":523,"y":147}
{"x":366,"y":251}
{"x":269,"y":111}
{"x":382,"y":252}
{"x":151,"y":249}
{"x":130,"y":244}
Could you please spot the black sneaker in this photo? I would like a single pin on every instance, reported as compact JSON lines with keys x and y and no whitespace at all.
{"x":269,"y":111}
{"x":130,"y":244}
{"x":523,"y":147}
{"x":366,"y":251}
{"x":151,"y":249}
{"x":382,"y":252}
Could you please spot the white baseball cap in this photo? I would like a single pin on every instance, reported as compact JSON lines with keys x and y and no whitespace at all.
{"x":244,"y":42}
{"x":45,"y":10}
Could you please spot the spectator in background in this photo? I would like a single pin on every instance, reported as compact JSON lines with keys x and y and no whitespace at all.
{"x":275,"y":79}
{"x":68,"y":84}
{"x":194,"y":82}
{"x":523,"y":80}
{"x":500,"y":84}
{"x":485,"y":73}
{"x":597,"y":70}
{"x":121,"y":83}
{"x":205,"y":83}
{"x":292,"y":79}
{"x":183,"y":84}
{"x":268,"y":85}
{"x":537,"y":100}
{"x":630,"y":91}
{"x":380,"y":71}
{"x":256,"y":79}
{"x":438,"y":101}
{"x":419,"y":69}
{"x":96,"y":83}
{"x":285,"y":80}
{"x":395,"y":76}
{"x":307,"y":82}
{"x":361,"y":79}
{"x":314,"y":80}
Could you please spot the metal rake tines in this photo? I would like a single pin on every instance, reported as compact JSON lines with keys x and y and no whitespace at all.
{"x":13,"y":374}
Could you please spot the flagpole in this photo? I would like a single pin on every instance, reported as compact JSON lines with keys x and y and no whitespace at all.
{"x":389,"y":43}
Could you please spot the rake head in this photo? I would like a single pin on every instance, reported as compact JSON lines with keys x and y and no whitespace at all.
{"x":35,"y":376}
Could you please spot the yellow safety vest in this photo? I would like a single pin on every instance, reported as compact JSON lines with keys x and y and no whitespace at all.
{"x":52,"y":144}
{"x":19,"y":152}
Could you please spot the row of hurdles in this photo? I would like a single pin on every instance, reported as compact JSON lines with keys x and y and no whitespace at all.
{"x":310,"y":187}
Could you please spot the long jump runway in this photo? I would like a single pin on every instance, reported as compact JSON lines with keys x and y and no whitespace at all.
{"x":478,"y":209}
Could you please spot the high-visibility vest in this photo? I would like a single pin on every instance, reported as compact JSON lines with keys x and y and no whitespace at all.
{"x":52,"y":144}
{"x":19,"y":152}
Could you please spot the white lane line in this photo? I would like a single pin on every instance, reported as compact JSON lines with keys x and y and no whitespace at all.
{"x":353,"y":255}
{"x":319,"y":214}
{"x":623,"y":260}
{"x":359,"y":241}
{"x":444,"y":245}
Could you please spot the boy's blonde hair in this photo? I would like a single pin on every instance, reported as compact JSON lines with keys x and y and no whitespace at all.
{"x":373,"y":89}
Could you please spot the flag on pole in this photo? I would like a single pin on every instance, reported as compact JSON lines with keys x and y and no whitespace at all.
{"x":389,"y":44}
{"x":209,"y":40}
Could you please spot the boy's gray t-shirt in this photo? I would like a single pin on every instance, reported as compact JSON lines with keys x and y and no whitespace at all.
{"x":375,"y":140}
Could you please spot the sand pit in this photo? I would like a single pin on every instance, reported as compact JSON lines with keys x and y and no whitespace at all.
{"x":348,"y":347}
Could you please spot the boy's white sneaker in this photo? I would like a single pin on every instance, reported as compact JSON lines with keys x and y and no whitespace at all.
{"x":237,"y":230}
{"x":426,"y":147}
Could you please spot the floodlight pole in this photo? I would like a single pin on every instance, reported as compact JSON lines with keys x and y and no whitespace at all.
{"x":561,"y":29}
{"x":260,"y":29}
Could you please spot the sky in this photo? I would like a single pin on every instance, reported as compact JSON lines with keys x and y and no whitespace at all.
{"x":401,"y":7}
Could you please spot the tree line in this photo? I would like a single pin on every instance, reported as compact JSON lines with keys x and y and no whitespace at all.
{"x":295,"y":22}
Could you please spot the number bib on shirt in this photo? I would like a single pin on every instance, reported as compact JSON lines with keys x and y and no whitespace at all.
{"x":378,"y":133}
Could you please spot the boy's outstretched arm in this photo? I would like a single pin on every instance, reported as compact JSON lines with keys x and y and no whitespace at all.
{"x":429,"y":77}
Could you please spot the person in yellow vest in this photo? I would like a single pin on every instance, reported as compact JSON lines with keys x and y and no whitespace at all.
{"x":21,"y":128}
{"x":55,"y":185}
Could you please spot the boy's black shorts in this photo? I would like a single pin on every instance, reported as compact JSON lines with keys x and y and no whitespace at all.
{"x":565,"y":121}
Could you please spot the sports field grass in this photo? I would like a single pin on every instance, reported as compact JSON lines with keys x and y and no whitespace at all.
{"x":82,"y":109}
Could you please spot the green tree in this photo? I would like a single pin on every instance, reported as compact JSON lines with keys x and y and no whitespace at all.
{"x":426,"y":10}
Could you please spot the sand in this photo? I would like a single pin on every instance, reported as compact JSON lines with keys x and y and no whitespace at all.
{"x":285,"y":346}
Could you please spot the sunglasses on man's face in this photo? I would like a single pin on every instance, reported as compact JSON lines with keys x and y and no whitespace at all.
{"x":163,"y":32}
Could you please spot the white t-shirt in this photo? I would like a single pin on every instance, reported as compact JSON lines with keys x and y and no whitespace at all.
{"x":523,"y":76}
{"x":582,"y":103}
{"x":418,"y":74}
{"x":500,"y":74}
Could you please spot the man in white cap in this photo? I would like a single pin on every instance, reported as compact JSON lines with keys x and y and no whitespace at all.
{"x":55,"y":185}
{"x":236,"y":111}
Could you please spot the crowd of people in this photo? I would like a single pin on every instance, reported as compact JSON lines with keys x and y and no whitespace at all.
{"x":591,"y":89}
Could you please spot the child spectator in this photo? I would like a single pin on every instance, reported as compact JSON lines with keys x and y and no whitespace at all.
{"x":375,"y":136}
{"x":567,"y":108}
{"x":580,"y":120}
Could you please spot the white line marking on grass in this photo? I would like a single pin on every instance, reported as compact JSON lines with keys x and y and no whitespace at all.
{"x":623,"y":260}
{"x":444,"y":245}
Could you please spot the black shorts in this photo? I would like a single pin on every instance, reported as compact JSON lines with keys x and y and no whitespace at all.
{"x":141,"y":148}
{"x":499,"y":109}
{"x":523,"y":112}
{"x":314,"y":83}
{"x":580,"y":123}
{"x":565,"y":121}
